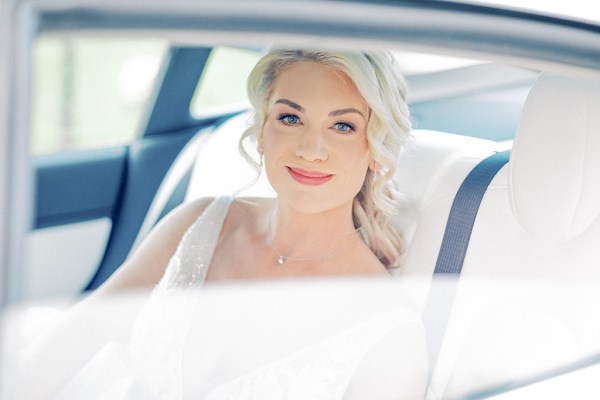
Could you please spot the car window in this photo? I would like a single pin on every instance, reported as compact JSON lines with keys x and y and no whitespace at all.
{"x":524,"y":309}
{"x":223,"y":83}
{"x":90,"y":92}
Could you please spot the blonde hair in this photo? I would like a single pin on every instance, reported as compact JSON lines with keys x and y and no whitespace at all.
{"x":377,"y":79}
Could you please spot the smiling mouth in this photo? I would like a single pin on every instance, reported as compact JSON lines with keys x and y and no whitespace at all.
{"x":311,"y":178}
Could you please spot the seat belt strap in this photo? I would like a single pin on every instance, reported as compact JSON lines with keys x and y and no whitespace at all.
{"x":454,"y":248}
{"x":463,"y":213}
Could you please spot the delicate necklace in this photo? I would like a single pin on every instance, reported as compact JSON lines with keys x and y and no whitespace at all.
{"x":281,"y":259}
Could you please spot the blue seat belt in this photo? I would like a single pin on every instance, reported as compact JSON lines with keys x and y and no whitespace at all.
{"x":454,"y":248}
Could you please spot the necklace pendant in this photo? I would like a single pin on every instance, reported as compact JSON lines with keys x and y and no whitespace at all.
{"x":281,"y":260}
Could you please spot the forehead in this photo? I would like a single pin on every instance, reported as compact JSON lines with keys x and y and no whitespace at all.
{"x":308,"y":81}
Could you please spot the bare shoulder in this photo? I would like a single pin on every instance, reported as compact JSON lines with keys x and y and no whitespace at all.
{"x":187,"y":213}
{"x":254,"y":204}
{"x":172,"y":227}
{"x":147,"y":263}
{"x":365,"y":262}
{"x":375,"y":267}
{"x":248,"y":211}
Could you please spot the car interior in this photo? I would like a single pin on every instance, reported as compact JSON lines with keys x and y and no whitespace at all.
{"x":537,"y":221}
{"x":527,"y":268}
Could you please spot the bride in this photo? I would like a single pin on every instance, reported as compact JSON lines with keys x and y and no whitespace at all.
{"x":329,"y":127}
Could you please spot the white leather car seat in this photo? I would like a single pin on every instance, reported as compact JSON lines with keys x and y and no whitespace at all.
{"x":220,"y":169}
{"x":430,"y":172}
{"x":527,"y":299}
{"x":210,"y":165}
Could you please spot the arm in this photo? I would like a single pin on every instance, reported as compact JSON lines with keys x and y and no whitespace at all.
{"x":146,"y":266}
{"x":63,"y":348}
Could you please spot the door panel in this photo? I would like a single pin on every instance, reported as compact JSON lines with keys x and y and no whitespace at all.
{"x":71,"y":251}
{"x":77,"y":196}
{"x":78,"y":186}
{"x":89,"y":207}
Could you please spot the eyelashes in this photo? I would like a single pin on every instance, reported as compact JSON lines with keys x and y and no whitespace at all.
{"x":289,"y":119}
{"x":344,"y":128}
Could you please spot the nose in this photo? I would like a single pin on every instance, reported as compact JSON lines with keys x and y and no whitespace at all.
{"x":312,"y":146}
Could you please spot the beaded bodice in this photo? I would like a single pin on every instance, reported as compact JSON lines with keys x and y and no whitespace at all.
{"x":189,"y":264}
{"x":159,"y":335}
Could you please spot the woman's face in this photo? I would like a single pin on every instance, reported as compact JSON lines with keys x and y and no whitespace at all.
{"x":314,"y":138}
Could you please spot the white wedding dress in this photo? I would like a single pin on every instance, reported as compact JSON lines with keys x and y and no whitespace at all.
{"x":258,"y":341}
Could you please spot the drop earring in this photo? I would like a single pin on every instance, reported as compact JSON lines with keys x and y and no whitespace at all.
{"x":260,"y":163}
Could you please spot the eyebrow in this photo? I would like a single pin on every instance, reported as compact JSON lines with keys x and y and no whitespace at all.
{"x":343,"y":111}
{"x":335,"y":113}
{"x":290,"y":103}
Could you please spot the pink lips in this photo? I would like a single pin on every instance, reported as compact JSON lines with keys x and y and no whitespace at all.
{"x":311,"y":178}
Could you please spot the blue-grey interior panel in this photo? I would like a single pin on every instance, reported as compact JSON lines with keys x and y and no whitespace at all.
{"x":77,"y":186}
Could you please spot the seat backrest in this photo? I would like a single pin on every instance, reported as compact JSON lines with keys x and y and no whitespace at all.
{"x":525,"y":299}
{"x":220,"y":169}
{"x":210,"y":165}
{"x":430,"y":171}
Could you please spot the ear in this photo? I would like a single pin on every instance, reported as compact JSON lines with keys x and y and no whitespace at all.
{"x":259,"y":144}
{"x":374,"y":166}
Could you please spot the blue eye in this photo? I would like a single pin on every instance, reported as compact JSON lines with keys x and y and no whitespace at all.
{"x":344,"y":127}
{"x":289,"y":119}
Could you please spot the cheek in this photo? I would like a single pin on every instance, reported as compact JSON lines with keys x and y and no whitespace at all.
{"x":362,"y":168}
{"x":357,"y":165}
{"x":272,"y":139}
{"x":274,"y":151}
{"x":357,"y":154}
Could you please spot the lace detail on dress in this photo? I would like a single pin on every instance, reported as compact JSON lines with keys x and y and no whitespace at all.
{"x":320,"y":371}
{"x":189,"y":264}
{"x":158,"y":336}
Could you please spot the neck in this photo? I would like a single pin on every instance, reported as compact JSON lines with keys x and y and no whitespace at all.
{"x":297,"y":234}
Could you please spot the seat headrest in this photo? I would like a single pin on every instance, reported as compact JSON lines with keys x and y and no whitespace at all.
{"x":555,"y":162}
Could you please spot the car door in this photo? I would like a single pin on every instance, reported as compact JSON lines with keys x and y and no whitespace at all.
{"x":90,"y":203}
